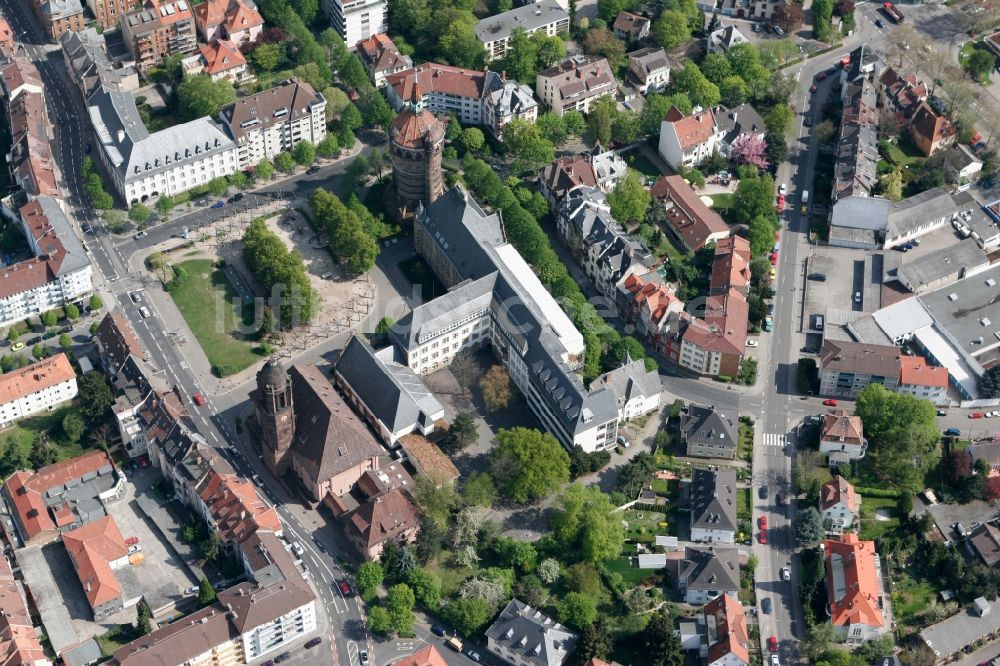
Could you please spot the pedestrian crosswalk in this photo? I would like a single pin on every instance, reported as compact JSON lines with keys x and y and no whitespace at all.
{"x":774,"y":439}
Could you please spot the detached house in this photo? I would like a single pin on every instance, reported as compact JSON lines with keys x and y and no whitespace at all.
{"x":381,"y":58}
{"x":687,"y":141}
{"x":854,"y":586}
{"x":725,"y":37}
{"x":707,"y":573}
{"x":842,"y":438}
{"x":649,"y":69}
{"x":713,"y":505}
{"x":838,"y":504}
{"x":235,"y":20}
{"x":630,"y":27}
{"x":727,"y":641}
{"x":219,"y":60}
{"x":930,"y":131}
{"x":708,"y":434}
{"x":636,"y":389}
{"x":598,"y":168}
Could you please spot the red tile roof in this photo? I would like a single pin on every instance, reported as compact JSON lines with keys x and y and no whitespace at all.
{"x":686,"y":213}
{"x":725,"y":617}
{"x":384,"y":517}
{"x":630,"y":23}
{"x":930,"y":125}
{"x":26,"y":490}
{"x":842,"y":427}
{"x":914,"y":371}
{"x":429,"y":656}
{"x":19,"y":645}
{"x":241,"y":17}
{"x":380,"y":53}
{"x":237,"y":510}
{"x":692,"y":130}
{"x":859,"y":603}
{"x":728,"y":315}
{"x":117,"y":340}
{"x":221,"y":56}
{"x":436,"y":78}
{"x":35,"y":377}
{"x":93,"y":547}
{"x":835,"y":491}
{"x":412,"y":129}
{"x":731,"y":265}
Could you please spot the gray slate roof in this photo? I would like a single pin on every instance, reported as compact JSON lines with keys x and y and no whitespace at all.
{"x":963,"y":628}
{"x":952,"y":260}
{"x":464,"y":231}
{"x":462,"y":300}
{"x":912,"y":212}
{"x":738,"y":120}
{"x":702,"y":425}
{"x":531,"y":16}
{"x":537,"y":638}
{"x":393,"y":392}
{"x":75,"y":259}
{"x":713,"y":499}
{"x":711,"y":569}
{"x":629,"y":381}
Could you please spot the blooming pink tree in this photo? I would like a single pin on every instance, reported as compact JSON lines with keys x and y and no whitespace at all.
{"x":749,"y":149}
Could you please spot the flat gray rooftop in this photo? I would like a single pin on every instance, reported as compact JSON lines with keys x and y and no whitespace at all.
{"x":531,"y":16}
{"x":964,"y":255}
{"x":969,"y":310}
{"x":47,"y":594}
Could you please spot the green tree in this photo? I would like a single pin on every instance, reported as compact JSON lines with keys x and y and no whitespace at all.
{"x":379,"y":621}
{"x":351,"y":117}
{"x":328,"y":148}
{"x":42,"y":453}
{"x":671,"y":29}
{"x":530,"y":149}
{"x":267,"y":57}
{"x":95,"y":302}
{"x":211,"y":547}
{"x":436,"y":497}
{"x":49,"y":318}
{"x":892,"y":185}
{"x":527,"y":465}
{"x":808,"y":527}
{"x":462,"y":432}
{"x":575,"y":124}
{"x":164,"y":205}
{"x":95,"y":396}
{"x":496,"y":388}
{"x":139,"y":213}
{"x":12,"y":335}
{"x":980,"y":63}
{"x":200,"y":96}
{"x":600,"y":120}
{"x":143,"y":625}
{"x":426,"y":586}
{"x":550,"y":48}
{"x":609,"y":9}
{"x":304,"y":153}
{"x":521,"y":59}
{"x":65,"y":341}
{"x":779,"y":119}
{"x":206,"y":593}
{"x":583,"y":524}
{"x":73,"y":427}
{"x":384,"y":325}
{"x":460,"y":46}
{"x":821,"y":637}
{"x":479,"y":490}
{"x":353,"y":73}
{"x":594,"y":643}
{"x":989,"y":383}
{"x":695,"y":85}
{"x":375,"y":111}
{"x":577,"y":610}
{"x":72,"y":312}
{"x":902,"y":435}
{"x":659,"y":642}
{"x":264,"y":171}
{"x":370,"y":576}
{"x":602,"y":42}
{"x":630,"y":199}
{"x":284,"y":162}
{"x":467,"y":615}
{"x":473,"y":139}
{"x":399,"y":603}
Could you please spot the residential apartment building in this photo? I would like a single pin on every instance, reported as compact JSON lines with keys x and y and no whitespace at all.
{"x":273,"y":121}
{"x":857,"y":605}
{"x":233,"y":509}
{"x":731,"y":266}
{"x":838,"y":504}
{"x":85,"y":54}
{"x":381,"y":58}
{"x":705,"y":433}
{"x":59,"y":16}
{"x":575,"y":83}
{"x":598,"y":168}
{"x":686,"y":215}
{"x":708,"y":573}
{"x":145,"y":166}
{"x":846,"y":368}
{"x":41,"y":386}
{"x":687,"y":141}
{"x":389,"y":395}
{"x":109,"y":12}
{"x":387,"y":514}
{"x":96,"y":550}
{"x":29,"y":162}
{"x":637,"y":390}
{"x":236,"y":21}
{"x":475,"y":97}
{"x":495,"y":296}
{"x":158,"y":29}
{"x":218,"y":60}
{"x":546,"y":16}
{"x":650,"y":303}
{"x":58,"y":274}
{"x":713,"y":505}
{"x":855,"y":172}
{"x":922,"y":380}
{"x":727,"y":641}
{"x":597,"y":241}
{"x":900,"y":94}
{"x":357,"y":20}
{"x":842,"y":437}
{"x":649,"y":69}
{"x":524,"y":636}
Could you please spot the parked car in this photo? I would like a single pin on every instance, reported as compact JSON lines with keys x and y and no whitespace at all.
{"x":763,"y":537}
{"x":345,"y":588}
{"x":136,"y":548}
{"x":298,"y":549}
{"x":879,"y":24}
{"x":363,"y":656}
{"x":199,"y":399}
{"x":141,"y":234}
{"x":786,"y":573}
{"x":219,"y":204}
{"x":192,"y":590}
{"x":762,"y":493}
{"x":236,"y":197}
{"x":857,"y":297}
{"x":807,"y":121}
{"x":752,"y":343}
{"x":475,"y":656}
{"x":830,"y":402}
{"x":285,"y":656}
{"x":313,"y":642}
{"x":976,"y":415}
{"x":762,"y":522}
{"x":772,"y":644}
{"x":136,"y":297}
{"x":313,"y":169}
{"x":766,"y":606}
{"x":438,"y":630}
{"x":68,"y":328}
{"x":144,"y":311}
{"x":131,"y":541}
{"x":17,"y":346}
{"x":775,"y":660}
{"x":49,"y":335}
{"x":817,"y":277}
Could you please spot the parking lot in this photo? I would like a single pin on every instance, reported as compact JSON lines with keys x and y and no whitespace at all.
{"x":845,"y":276}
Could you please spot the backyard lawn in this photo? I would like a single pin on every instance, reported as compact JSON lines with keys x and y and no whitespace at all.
{"x":629,"y":572}
{"x":643,"y":526}
{"x":872,"y":527}
{"x":744,"y":504}
{"x":24,"y":434}
{"x":910,"y":598}
{"x":643,"y":165}
{"x":903,"y":154}
{"x":211,"y":308}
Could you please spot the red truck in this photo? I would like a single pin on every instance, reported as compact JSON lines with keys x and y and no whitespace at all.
{"x":894,"y":14}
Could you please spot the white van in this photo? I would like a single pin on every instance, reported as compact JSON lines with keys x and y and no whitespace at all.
{"x":819,"y":322}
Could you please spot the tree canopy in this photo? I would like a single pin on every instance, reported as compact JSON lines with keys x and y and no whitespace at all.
{"x":629,"y":200}
{"x":528,"y":465}
{"x":902,"y":434}
{"x":583,"y":524}
{"x":200,"y":96}
{"x":275,"y":267}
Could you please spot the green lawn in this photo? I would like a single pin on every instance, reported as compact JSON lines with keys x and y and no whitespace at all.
{"x":24,"y":434}
{"x":910,"y":598}
{"x":643,"y":165}
{"x":629,"y":572}
{"x":723,"y":204}
{"x":744,"y":504}
{"x":871,"y":528}
{"x":903,"y":154}
{"x":213,"y":319}
{"x":643,"y":526}
{"x":451,"y":577}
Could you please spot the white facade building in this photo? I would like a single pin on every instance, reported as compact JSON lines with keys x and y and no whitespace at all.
{"x":58,"y":274}
{"x":276,"y":633}
{"x":146,"y":166}
{"x":38,"y":387}
{"x":546,"y":16}
{"x":357,"y":20}
{"x":688,"y":140}
{"x":275,"y":120}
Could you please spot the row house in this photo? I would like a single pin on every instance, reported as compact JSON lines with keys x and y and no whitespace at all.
{"x":19,"y":642}
{"x":108,"y":12}
{"x":59,"y":16}
{"x":719,"y":633}
{"x":29,"y":161}
{"x":274,"y":120}
{"x":159,"y":28}
{"x":597,"y":168}
{"x":544,"y":16}
{"x":575,"y":83}
{"x":647,"y":301}
{"x":708,"y":573}
{"x":85,"y":54}
{"x":731,"y":266}
{"x":474,"y":97}
{"x":855,"y":170}
{"x":899,"y":94}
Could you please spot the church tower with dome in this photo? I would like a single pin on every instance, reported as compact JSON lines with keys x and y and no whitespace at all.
{"x":416,"y":139}
{"x":273,"y":411}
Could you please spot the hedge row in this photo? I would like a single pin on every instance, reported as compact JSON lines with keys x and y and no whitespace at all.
{"x":878,"y":492}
